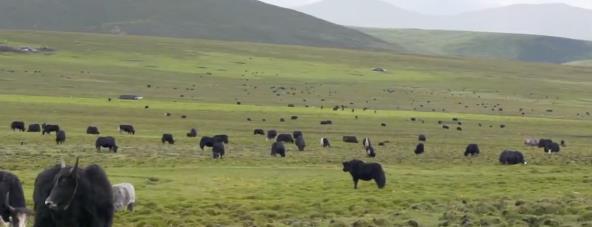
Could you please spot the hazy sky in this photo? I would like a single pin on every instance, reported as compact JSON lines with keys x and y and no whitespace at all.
{"x":447,"y":6}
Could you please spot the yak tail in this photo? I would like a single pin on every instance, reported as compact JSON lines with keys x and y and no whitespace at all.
{"x":380,"y":179}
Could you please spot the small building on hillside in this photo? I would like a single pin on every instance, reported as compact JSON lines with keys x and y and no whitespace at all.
{"x":131,"y":97}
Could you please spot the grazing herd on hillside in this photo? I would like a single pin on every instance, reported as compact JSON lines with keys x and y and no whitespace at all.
{"x":83,"y":196}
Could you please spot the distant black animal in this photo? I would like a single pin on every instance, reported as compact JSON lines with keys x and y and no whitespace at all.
{"x":294,"y":117}
{"x":350,"y":139}
{"x":563,"y":144}
{"x":300,"y":143}
{"x":92,"y":130}
{"x":218,"y":150}
{"x":459,"y":128}
{"x":278,"y":148}
{"x":472,"y":150}
{"x":419,"y":149}
{"x":552,"y":148}
{"x":206,"y":141}
{"x":17,"y":125}
{"x":48,"y":129}
{"x":445,"y":127}
{"x":383,"y":124}
{"x":73,"y":196}
{"x":365,"y":171}
{"x":543,"y":143}
{"x":422,"y":138}
{"x":325,"y":142}
{"x":508,"y":157}
{"x":297,"y":134}
{"x":61,"y":137}
{"x":129,"y":129}
{"x":192,"y":133}
{"x":13,"y":210}
{"x":221,"y":138}
{"x":106,"y":142}
{"x":34,"y":128}
{"x":258,"y":132}
{"x":167,"y":138}
{"x":370,"y":152}
{"x":327,"y":122}
{"x":271,"y":134}
{"x":286,"y":138}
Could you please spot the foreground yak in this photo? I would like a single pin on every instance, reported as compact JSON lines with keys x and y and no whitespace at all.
{"x":511,"y":158}
{"x":365,"y":171}
{"x":12,"y":206}
{"x":73,"y":196}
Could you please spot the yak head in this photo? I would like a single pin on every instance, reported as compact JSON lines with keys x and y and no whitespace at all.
{"x":64,"y":188}
{"x":17,"y":215}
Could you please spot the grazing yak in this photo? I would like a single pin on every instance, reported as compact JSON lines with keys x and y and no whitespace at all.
{"x":34,"y":128}
{"x":563,"y":143}
{"x":286,"y":138}
{"x":206,"y":141}
{"x":419,"y":149}
{"x":278,"y":148}
{"x":544,"y":143}
{"x":422,"y":138}
{"x":12,"y":206}
{"x":271,"y":134}
{"x":327,"y":122}
{"x":445,"y":127}
{"x":218,"y":150}
{"x":107,"y":142}
{"x":221,"y":138}
{"x":531,"y":142}
{"x":297,"y":134}
{"x":192,"y":133}
{"x":294,"y":117}
{"x":124,"y":196}
{"x":472,"y":150}
{"x":61,"y":137}
{"x":129,"y":129}
{"x":73,"y":196}
{"x":552,"y":148}
{"x":258,"y":132}
{"x":167,"y":138}
{"x":365,"y":171}
{"x":370,"y":152}
{"x":92,"y":130}
{"x":300,"y":143}
{"x":17,"y":125}
{"x":350,"y":139}
{"x":508,"y":157}
{"x":325,"y":142}
{"x":366,"y":143}
{"x":48,"y":129}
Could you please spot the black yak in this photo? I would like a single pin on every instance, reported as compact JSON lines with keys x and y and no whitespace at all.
{"x":300,"y":143}
{"x":258,"y":132}
{"x":73,"y":196}
{"x":107,"y":142}
{"x":278,"y":148}
{"x":129,"y":129}
{"x":327,"y":122}
{"x":297,"y":134}
{"x":206,"y":141}
{"x":552,"y":148}
{"x":286,"y":138}
{"x":17,"y":125}
{"x":422,"y":138}
{"x":508,"y":157}
{"x":221,"y":138}
{"x":34,"y":128}
{"x":370,"y":152}
{"x":92,"y":130}
{"x":61,"y":137}
{"x":419,"y":149}
{"x":325,"y":142}
{"x":192,"y":133}
{"x":472,"y":150}
{"x":48,"y":129}
{"x":218,"y":150}
{"x":271,"y":134}
{"x":12,"y":201}
{"x":365,"y":171}
{"x":350,"y":139}
{"x":167,"y":138}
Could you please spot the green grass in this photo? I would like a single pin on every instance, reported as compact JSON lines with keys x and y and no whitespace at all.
{"x":531,"y":48}
{"x":181,"y":186}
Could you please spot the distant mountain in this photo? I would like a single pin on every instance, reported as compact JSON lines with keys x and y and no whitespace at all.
{"x":541,"y":19}
{"x":487,"y":45}
{"x":235,"y":20}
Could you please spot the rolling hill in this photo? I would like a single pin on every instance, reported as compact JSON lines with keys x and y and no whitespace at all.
{"x":552,"y":19}
{"x":243,"y":20}
{"x":487,"y":45}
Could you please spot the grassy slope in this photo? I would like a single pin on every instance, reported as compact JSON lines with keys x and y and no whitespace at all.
{"x":307,"y":188}
{"x":238,"y":20}
{"x":487,"y":45}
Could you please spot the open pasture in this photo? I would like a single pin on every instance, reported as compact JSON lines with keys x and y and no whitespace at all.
{"x":180,"y":185}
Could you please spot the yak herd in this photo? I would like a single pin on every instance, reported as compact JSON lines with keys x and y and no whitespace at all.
{"x":83,"y":196}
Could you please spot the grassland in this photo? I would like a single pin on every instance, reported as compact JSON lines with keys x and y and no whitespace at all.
{"x":180,"y":185}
